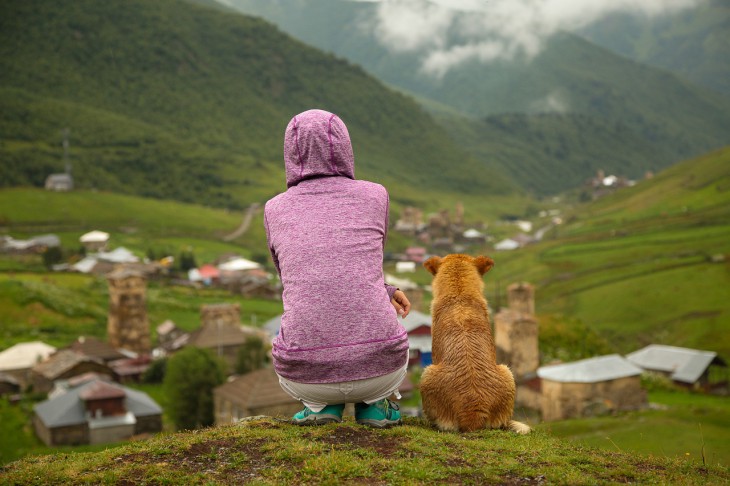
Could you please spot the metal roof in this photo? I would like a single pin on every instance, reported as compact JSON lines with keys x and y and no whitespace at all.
{"x":415,"y":319}
{"x":592,"y":370}
{"x":25,"y":355}
{"x":684,"y":364}
{"x":68,"y":409}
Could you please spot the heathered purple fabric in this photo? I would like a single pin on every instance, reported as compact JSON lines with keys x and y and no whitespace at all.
{"x":326,"y":235}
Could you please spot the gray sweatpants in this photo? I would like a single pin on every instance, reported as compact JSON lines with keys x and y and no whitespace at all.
{"x":316,"y":396}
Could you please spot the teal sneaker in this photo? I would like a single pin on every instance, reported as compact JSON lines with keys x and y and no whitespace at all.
{"x":379,"y":414}
{"x":328,"y":415}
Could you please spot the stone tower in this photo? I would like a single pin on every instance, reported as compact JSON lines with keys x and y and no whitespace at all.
{"x":127,"y":325}
{"x":521,"y":298}
{"x":212,"y":315}
{"x":516,"y":331}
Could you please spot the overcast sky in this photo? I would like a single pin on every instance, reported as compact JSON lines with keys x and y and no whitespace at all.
{"x":487,"y":30}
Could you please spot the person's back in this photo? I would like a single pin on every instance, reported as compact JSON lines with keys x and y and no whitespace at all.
{"x":326,"y":235}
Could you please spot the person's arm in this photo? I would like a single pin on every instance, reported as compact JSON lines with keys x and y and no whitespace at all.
{"x":271,"y":248}
{"x":397,"y":298}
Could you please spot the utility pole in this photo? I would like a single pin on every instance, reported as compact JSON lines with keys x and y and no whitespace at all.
{"x":67,"y":164}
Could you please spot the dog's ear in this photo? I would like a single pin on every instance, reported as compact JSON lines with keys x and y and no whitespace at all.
{"x":483,"y":264}
{"x":432,"y":264}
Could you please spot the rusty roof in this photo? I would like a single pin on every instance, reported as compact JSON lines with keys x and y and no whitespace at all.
{"x":256,"y":389}
{"x":96,"y":348}
{"x":61,"y":362}
{"x":101,"y":390}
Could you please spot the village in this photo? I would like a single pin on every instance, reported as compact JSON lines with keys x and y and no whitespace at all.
{"x":85,"y":385}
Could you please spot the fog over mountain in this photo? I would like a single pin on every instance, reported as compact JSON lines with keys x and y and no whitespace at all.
{"x":447,"y":33}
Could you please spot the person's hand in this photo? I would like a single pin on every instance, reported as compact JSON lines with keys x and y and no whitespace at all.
{"x":401,"y":303}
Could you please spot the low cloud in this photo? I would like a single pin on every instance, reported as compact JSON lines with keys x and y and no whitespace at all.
{"x":447,"y":33}
{"x":555,"y":102}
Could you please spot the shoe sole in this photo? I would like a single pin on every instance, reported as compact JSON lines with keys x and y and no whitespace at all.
{"x":317,"y":420}
{"x":379,"y":424}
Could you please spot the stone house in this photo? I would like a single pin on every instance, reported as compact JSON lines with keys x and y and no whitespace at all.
{"x":59,"y":182}
{"x":590,"y":387}
{"x":17,"y":361}
{"x":169,"y":336}
{"x":684,"y":366}
{"x":65,"y":364}
{"x":96,"y":412}
{"x":131,"y":370}
{"x":9,"y":385}
{"x":221,"y":332}
{"x":255,"y":393}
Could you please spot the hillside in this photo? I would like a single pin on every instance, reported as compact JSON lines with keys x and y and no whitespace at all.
{"x":692,"y":43}
{"x":175,"y":100}
{"x":551,"y":152}
{"x":656,"y":111}
{"x":266,"y":451}
{"x":647,"y":264}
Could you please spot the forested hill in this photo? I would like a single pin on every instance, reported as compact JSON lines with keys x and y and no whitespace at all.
{"x":177,"y":100}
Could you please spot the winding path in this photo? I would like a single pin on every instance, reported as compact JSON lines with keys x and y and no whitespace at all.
{"x":247,"y":217}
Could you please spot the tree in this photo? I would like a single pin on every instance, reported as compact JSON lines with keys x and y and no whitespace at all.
{"x":190,"y":378}
{"x":156,"y":372}
{"x":251,"y":356}
{"x":187,"y":261}
{"x":52,"y":256}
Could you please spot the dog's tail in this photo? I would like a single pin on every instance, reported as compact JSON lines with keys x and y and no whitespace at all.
{"x":519,"y":427}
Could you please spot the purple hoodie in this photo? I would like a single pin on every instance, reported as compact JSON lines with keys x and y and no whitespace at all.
{"x":326,"y":235}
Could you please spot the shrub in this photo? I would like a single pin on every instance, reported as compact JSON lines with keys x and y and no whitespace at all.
{"x":190,"y":378}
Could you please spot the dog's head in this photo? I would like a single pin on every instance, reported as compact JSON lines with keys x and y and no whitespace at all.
{"x":482,"y":263}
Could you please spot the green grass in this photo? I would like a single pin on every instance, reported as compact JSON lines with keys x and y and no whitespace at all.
{"x":58,"y":308}
{"x":266,"y":451}
{"x":636,"y":267}
{"x":686,"y":426}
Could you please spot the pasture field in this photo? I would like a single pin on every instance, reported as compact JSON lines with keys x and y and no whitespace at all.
{"x":681,"y":425}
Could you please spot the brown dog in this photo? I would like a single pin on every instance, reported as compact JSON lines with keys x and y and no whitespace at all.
{"x":465,"y":389}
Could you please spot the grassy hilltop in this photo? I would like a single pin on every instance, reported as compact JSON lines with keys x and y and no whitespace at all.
{"x":266,"y":451}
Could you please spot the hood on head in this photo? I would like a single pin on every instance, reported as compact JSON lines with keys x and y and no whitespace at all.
{"x":316,"y":144}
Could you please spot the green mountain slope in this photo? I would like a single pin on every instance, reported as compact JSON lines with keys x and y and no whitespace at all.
{"x":549,"y":152}
{"x":662,"y":113}
{"x":175,"y":100}
{"x":693,"y":43}
{"x":647,"y":264}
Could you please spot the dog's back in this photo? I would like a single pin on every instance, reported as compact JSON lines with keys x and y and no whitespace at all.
{"x":465,"y":389}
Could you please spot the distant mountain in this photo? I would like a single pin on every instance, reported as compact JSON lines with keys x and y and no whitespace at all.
{"x":693,"y":43}
{"x":174,"y":100}
{"x":665,"y":119}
